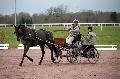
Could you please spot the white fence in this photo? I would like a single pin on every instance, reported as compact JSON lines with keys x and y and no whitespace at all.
{"x":106,"y":47}
{"x":4,"y":46}
{"x":66,"y":24}
{"x":21,"y":46}
{"x":81,"y":24}
{"x":98,"y":47}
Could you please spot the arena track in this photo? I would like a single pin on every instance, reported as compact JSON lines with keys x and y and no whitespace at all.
{"x":108,"y":66}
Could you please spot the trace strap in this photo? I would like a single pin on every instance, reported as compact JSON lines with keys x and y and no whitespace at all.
{"x":49,"y":42}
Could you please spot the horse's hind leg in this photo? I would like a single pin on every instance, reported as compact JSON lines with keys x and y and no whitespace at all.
{"x":26,"y":48}
{"x":43,"y":52}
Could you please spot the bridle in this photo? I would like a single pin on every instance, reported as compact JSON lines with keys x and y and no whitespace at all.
{"x":20,"y":32}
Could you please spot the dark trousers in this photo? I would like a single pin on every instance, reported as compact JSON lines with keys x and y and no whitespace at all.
{"x":86,"y":48}
{"x":76,"y":38}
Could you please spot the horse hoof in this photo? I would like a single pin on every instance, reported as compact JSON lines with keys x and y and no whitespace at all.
{"x":31,"y":60}
{"x":20,"y":64}
{"x":39,"y":63}
{"x":61,"y":57}
{"x":53,"y":60}
{"x":56,"y":61}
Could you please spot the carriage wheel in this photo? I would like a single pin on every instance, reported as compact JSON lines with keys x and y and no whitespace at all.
{"x":71,"y":56}
{"x":93,"y":55}
{"x":59,"y":56}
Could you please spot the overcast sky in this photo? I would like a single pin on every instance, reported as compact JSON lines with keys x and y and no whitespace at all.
{"x":40,"y":6}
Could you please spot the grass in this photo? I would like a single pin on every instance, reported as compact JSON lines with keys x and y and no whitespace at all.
{"x":109,"y":35}
{"x":10,"y":37}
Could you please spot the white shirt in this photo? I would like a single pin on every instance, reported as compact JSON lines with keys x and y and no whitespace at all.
{"x":74,"y":30}
{"x":91,"y":38}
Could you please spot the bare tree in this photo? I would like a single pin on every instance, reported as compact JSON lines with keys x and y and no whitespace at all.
{"x":61,"y":14}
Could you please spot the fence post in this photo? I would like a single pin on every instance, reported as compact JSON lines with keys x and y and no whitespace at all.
{"x":114,"y":25}
{"x":34,"y":26}
{"x":101,"y":27}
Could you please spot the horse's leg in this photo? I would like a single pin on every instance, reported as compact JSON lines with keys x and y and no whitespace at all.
{"x":29,"y":58}
{"x":50,"y":47}
{"x":26,"y":48}
{"x":24,"y":55}
{"x":43,"y":52}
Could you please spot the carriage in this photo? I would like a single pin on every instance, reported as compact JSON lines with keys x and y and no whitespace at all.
{"x":76,"y":51}
{"x":30,"y":37}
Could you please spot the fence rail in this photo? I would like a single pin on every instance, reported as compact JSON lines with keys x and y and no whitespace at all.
{"x":98,"y":47}
{"x":4,"y":46}
{"x":52,"y":24}
{"x":64,"y":24}
{"x":106,"y":47}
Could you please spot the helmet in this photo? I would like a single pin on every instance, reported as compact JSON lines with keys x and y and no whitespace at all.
{"x":75,"y":21}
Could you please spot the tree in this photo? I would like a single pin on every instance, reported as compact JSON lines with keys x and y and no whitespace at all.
{"x":113,"y":16}
{"x":61,"y":14}
{"x":25,"y":18}
{"x":55,"y":14}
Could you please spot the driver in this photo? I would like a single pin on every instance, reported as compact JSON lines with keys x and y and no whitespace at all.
{"x":74,"y":31}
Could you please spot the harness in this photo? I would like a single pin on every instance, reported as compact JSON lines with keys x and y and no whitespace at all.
{"x":28,"y":36}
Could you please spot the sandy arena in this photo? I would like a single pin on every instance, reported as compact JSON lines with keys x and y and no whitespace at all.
{"x":108,"y":66}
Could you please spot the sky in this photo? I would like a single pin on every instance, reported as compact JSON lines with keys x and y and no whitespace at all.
{"x":40,"y":6}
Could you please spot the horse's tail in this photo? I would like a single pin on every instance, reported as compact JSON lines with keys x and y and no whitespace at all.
{"x":56,"y":50}
{"x":50,"y":36}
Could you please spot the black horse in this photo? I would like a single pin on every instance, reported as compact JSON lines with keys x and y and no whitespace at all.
{"x":30,"y":37}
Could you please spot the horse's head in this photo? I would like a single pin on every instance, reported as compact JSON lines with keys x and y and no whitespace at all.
{"x":20,"y":31}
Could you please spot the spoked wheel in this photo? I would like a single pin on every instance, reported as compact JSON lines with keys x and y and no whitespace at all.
{"x":71,"y":56}
{"x":93,"y":55}
{"x":58,"y":56}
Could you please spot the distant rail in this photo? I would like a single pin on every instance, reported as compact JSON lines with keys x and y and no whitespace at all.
{"x":65,"y":24}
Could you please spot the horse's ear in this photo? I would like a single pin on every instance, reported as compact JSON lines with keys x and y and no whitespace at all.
{"x":14,"y":25}
{"x":26,"y":26}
